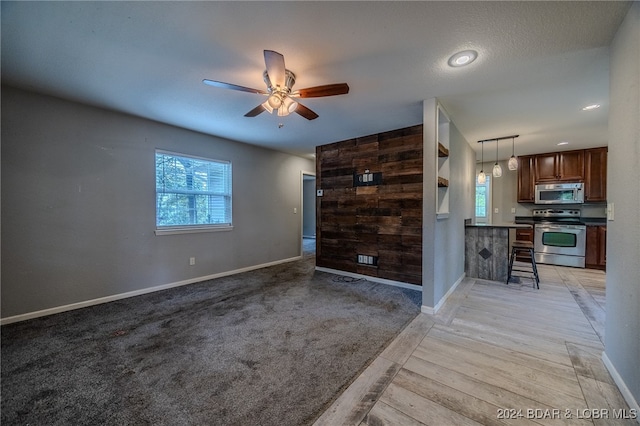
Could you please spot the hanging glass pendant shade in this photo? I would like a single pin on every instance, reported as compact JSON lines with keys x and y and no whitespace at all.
{"x":497,"y":170}
{"x":513,"y":161}
{"x":482,"y":177}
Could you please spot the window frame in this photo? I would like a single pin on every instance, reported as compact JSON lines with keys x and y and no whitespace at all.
{"x":192,"y":228}
{"x":487,"y":196}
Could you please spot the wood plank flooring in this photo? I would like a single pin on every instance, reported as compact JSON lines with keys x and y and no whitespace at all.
{"x":495,"y":354}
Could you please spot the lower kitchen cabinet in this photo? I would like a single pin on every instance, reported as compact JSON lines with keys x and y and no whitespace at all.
{"x":596,"y":247}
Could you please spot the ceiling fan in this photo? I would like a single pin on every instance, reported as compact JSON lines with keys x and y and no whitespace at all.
{"x":280,"y":96}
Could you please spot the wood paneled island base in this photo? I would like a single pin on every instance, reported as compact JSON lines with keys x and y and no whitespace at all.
{"x":487,"y":251}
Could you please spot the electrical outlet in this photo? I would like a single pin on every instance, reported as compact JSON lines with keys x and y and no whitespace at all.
{"x":610,"y":212}
{"x":496,"y":211}
{"x":513,"y":209}
{"x":192,"y":261}
{"x":364,"y":259}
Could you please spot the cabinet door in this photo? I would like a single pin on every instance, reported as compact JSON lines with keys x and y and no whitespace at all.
{"x":526,"y":179}
{"x":571,"y":166}
{"x":595,"y":177}
{"x":592,"y":248}
{"x":596,"y":247}
{"x":524,"y":234}
{"x":546,"y":168}
{"x":602,"y":235}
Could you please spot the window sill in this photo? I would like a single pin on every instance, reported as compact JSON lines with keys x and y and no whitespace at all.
{"x":192,"y":230}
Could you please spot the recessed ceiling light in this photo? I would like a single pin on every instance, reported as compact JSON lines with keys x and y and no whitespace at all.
{"x":463,"y":58}
{"x":590,"y":107}
{"x":563,"y":143}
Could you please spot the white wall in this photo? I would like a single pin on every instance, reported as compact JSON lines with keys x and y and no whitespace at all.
{"x":622,"y":332}
{"x":78,"y":205}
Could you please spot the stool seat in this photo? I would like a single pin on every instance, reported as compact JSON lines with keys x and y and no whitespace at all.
{"x":519,"y":246}
{"x":522,"y":244}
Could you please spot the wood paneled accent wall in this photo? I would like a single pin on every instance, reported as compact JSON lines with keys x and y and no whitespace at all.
{"x":381,"y":220}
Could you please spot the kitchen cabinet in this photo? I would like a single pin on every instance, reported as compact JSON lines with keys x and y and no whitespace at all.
{"x":595,"y":176}
{"x":596,"y":247}
{"x":567,"y":166}
{"x":526,"y":179}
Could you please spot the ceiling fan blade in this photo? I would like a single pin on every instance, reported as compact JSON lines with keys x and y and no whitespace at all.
{"x":233,"y":87}
{"x":306,"y":112}
{"x":326,"y":90}
{"x":275,"y":67}
{"x":257,"y":110}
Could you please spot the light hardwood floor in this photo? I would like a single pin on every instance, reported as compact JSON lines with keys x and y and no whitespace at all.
{"x":495,"y":354}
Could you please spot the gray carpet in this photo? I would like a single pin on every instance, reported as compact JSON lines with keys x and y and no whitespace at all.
{"x":269,"y":347}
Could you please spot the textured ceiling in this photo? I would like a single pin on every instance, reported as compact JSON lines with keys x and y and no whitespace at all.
{"x":539,"y":63}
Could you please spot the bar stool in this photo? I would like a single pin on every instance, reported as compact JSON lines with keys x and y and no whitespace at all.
{"x":524,"y":247}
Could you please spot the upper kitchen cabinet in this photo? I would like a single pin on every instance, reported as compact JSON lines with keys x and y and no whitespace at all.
{"x":588,"y":166}
{"x":565,"y":166}
{"x":595,"y":178}
{"x":526,"y":179}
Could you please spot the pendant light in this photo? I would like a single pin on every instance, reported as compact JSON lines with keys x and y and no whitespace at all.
{"x":513,"y":161}
{"x":482,"y":177}
{"x":497,"y":170}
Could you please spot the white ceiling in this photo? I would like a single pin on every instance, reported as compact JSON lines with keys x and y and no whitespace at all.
{"x":539,"y":63}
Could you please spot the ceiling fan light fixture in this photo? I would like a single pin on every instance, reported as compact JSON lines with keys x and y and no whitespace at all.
{"x":274,"y":100}
{"x":289,"y":104}
{"x":267,"y":106}
{"x":463,"y":58}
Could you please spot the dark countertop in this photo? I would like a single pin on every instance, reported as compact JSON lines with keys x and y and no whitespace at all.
{"x":500,"y":225}
{"x":589,"y":221}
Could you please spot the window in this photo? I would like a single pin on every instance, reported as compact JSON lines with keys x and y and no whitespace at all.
{"x":483,"y":201}
{"x":192,"y":194}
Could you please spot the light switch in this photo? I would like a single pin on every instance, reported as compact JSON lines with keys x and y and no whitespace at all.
{"x":513,"y":209}
{"x":295,"y":210}
{"x":496,"y":211}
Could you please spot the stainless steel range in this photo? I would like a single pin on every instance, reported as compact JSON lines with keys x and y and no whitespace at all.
{"x":559,"y":237}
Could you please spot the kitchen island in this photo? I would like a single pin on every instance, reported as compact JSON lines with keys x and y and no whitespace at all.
{"x":487,"y":250}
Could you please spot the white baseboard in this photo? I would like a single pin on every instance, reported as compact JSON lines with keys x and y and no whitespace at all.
{"x":92,"y":302}
{"x":622,"y":386}
{"x":434,"y":310}
{"x":369,"y":278}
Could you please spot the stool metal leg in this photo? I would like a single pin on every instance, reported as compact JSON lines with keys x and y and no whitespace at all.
{"x":535,"y":268}
{"x":513,"y":252}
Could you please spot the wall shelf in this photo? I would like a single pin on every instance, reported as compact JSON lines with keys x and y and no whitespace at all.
{"x":442,"y":151}
{"x":443,"y":166}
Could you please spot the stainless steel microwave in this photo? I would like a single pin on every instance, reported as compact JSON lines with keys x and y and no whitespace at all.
{"x":560,"y":193}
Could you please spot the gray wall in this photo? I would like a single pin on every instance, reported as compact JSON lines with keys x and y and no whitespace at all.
{"x":449,"y":242}
{"x":78,"y":205}
{"x":443,"y":240}
{"x":622,"y":333}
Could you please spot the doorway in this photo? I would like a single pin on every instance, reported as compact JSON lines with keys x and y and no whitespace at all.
{"x":308,"y":214}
